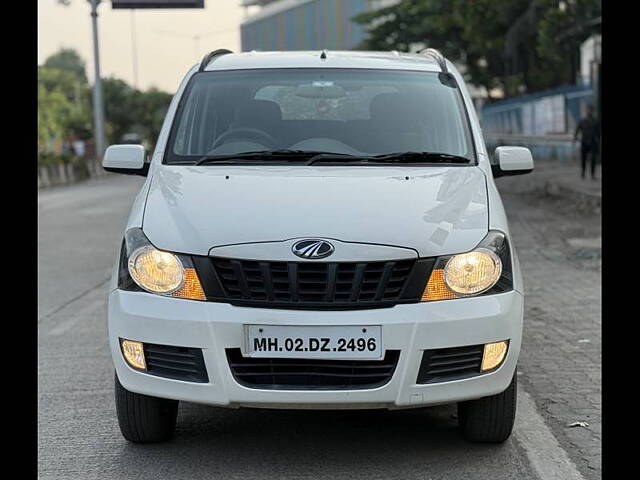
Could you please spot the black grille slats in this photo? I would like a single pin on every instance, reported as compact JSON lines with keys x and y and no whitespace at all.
{"x":312,"y":283}
{"x":446,"y":364}
{"x":178,"y":363}
{"x":311,"y":374}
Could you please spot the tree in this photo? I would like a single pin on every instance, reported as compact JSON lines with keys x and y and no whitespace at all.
{"x":68,"y":60}
{"x":153,"y":108}
{"x":128,"y":110}
{"x":54,"y":109}
{"x":64,"y":103}
{"x":509,"y":44}
{"x":76,"y":119}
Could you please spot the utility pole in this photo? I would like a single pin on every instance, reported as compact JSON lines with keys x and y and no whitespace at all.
{"x":134,"y":48}
{"x":98,"y":106}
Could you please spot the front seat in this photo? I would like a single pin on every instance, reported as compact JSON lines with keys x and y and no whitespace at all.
{"x":262,"y":115}
{"x":396,"y":124}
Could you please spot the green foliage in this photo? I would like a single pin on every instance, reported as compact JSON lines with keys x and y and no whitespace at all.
{"x":515,"y":45}
{"x":65,"y":104}
{"x":67,"y":60}
{"x":53,"y":112}
{"x":128,"y":110}
{"x":153,"y":108}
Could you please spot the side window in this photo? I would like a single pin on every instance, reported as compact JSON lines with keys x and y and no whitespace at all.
{"x":181,"y":144}
{"x":196,"y":130}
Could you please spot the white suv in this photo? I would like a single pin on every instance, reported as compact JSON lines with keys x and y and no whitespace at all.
{"x":317,"y":230}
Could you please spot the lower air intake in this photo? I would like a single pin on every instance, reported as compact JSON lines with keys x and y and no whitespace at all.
{"x":311,"y":374}
{"x":446,"y":364}
{"x":179,"y":363}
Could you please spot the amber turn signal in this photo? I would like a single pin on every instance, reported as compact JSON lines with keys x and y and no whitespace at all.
{"x":436,"y":288}
{"x":191,"y":287}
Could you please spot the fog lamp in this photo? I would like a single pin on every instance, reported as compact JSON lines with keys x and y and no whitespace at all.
{"x":493,"y":355}
{"x":134,"y":354}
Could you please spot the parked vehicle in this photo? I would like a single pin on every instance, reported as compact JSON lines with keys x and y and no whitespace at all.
{"x":317,"y":230}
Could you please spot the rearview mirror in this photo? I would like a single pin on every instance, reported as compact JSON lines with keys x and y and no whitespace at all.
{"x":127,"y":159}
{"x":512,"y":161}
{"x":320,"y":90}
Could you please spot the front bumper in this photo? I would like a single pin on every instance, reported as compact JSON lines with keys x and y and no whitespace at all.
{"x":410,"y":328}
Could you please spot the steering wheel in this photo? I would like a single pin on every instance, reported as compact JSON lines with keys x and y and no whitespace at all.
{"x":246,"y":132}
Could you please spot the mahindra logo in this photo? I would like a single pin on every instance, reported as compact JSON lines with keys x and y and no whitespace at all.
{"x":312,"y":248}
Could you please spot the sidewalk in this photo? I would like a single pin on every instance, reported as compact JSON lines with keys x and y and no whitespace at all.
{"x":563,"y":179}
{"x":559,"y":248}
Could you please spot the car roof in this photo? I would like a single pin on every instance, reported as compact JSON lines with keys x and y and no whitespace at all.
{"x":333,"y":59}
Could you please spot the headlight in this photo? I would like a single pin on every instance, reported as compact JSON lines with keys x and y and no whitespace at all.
{"x":484,"y":270}
{"x":155,"y":270}
{"x":144,"y":267}
{"x":472,"y":272}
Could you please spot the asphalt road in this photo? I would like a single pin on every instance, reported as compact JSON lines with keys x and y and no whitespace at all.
{"x":80,"y":229}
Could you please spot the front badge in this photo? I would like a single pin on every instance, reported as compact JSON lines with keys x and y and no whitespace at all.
{"x":312,"y":249}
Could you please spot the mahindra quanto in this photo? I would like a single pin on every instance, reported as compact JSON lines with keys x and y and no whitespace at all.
{"x":317,"y":230}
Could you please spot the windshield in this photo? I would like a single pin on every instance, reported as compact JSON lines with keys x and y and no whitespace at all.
{"x":337,"y":111}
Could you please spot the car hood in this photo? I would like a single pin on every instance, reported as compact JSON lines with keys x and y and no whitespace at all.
{"x":433,"y":210}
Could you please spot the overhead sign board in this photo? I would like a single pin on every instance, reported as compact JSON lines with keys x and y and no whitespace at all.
{"x":157,"y":3}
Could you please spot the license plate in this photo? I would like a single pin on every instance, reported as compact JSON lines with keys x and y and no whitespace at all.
{"x":330,"y":342}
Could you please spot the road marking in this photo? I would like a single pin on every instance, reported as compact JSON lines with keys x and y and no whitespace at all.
{"x":55,"y":310}
{"x":92,"y":302}
{"x":546,"y":456}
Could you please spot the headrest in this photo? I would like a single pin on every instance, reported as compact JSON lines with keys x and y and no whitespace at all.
{"x":258,"y":112}
{"x":396,"y":110}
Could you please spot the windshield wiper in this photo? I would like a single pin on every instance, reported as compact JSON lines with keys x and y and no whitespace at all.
{"x":427,"y":157}
{"x":400,"y":157}
{"x":312,"y":157}
{"x":289,"y":155}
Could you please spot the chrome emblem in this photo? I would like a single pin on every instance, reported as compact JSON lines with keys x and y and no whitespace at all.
{"x":312,"y":248}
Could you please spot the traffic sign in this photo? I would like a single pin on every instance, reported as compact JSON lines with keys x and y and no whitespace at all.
{"x":157,"y":4}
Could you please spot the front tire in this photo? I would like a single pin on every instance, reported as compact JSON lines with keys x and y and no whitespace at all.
{"x":489,"y":419}
{"x":144,"y":419}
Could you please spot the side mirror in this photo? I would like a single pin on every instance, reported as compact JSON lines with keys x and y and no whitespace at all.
{"x":127,"y":159}
{"x":512,"y":161}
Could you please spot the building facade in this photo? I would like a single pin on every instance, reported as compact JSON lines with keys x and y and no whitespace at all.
{"x":305,"y":24}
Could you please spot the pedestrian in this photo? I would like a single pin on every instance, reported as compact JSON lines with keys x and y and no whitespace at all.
{"x":589,"y":128}
{"x":78,"y":148}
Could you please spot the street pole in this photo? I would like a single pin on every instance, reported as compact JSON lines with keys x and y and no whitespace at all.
{"x":98,"y":106}
{"x":134,"y":49}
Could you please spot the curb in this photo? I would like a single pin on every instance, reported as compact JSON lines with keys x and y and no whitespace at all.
{"x":67,"y":174}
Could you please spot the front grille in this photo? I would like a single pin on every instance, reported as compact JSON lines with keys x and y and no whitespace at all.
{"x":447,"y":364}
{"x":338,"y":284}
{"x":179,"y":363}
{"x":311,"y":374}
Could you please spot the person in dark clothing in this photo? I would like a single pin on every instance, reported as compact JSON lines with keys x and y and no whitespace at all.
{"x":589,"y":128}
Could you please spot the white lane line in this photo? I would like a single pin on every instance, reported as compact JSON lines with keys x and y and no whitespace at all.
{"x":545,"y":454}
{"x":82,"y":294}
{"x":92,"y":306}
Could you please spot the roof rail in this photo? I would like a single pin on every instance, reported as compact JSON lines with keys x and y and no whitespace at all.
{"x":432,"y":52}
{"x":210,"y":56}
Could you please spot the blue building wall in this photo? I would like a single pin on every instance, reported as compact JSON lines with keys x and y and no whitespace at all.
{"x":544,"y":122}
{"x":312,"y":25}
{"x":516,"y":115}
